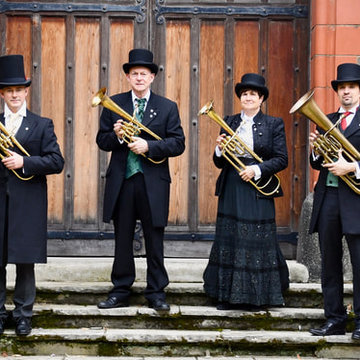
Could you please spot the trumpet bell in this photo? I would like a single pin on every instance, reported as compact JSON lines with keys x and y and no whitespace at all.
{"x":96,"y":100}
{"x":329,"y":144}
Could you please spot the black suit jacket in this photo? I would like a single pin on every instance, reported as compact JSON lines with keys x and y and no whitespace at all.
{"x":269,"y":144}
{"x":161,"y":117}
{"x":349,"y":201}
{"x":27,"y":200}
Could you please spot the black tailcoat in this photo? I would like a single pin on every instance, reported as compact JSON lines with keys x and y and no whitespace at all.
{"x":349,"y":201}
{"x":26,"y":209}
{"x":161,"y":117}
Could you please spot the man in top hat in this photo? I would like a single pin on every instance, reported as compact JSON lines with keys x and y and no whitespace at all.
{"x":336,"y":208}
{"x":23,"y":191}
{"x":137,"y":188}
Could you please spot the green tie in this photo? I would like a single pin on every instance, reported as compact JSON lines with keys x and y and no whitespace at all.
{"x":133,"y":164}
{"x":140,"y":108}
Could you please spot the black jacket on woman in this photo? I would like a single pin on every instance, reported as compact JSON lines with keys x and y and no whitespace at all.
{"x":269,"y":144}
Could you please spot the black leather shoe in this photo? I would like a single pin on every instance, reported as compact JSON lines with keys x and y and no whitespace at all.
{"x":330,"y":328}
{"x":112,"y":302}
{"x":23,"y":326}
{"x":356,"y":333}
{"x":159,"y":305}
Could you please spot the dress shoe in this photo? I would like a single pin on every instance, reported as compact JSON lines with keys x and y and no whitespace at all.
{"x":112,"y":302}
{"x":159,"y":305}
{"x":330,"y":328}
{"x":356,"y":333}
{"x":23,"y":326}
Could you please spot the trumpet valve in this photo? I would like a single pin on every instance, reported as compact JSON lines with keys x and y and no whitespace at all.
{"x":5,"y":141}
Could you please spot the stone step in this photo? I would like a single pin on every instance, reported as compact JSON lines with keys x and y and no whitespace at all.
{"x":179,"y":317}
{"x":85,"y":357}
{"x":174,"y":343}
{"x":99,"y":270}
{"x":90,"y":293}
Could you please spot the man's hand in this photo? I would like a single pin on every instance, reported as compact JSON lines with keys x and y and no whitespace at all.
{"x":312,"y":138}
{"x":118,"y":129}
{"x":138,"y":145}
{"x":340,"y":167}
{"x":14,"y":161}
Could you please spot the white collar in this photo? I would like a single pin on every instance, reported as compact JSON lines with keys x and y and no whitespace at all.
{"x":134,"y":97}
{"x":246,"y":117}
{"x":21,"y":112}
{"x":352,"y":110}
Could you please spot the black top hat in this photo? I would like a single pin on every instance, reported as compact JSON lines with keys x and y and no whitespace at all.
{"x":252,"y":81}
{"x":347,"y":72}
{"x":12,"y":71}
{"x":140,"y":57}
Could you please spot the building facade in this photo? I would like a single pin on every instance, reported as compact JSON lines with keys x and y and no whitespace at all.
{"x":74,"y":48}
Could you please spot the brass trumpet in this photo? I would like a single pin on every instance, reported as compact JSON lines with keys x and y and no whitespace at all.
{"x":332,"y":141}
{"x":9,"y":141}
{"x":132,"y":127}
{"x":234,"y":147}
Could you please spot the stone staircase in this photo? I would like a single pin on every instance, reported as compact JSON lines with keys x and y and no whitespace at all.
{"x":68,"y":325}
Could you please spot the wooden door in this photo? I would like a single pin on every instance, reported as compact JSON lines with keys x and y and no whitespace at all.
{"x":202,"y":49}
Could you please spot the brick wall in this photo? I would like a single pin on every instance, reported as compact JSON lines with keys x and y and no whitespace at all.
{"x":335,"y":39}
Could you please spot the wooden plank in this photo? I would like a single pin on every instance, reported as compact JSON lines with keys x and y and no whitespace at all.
{"x":121,"y":42}
{"x":69,"y":128}
{"x":300,"y":125}
{"x":246,"y":53}
{"x":19,"y":41}
{"x":280,"y":82}
{"x":212,"y":37}
{"x":177,"y":77}
{"x":87,"y":67}
{"x":192,"y":141}
{"x":53,"y":101}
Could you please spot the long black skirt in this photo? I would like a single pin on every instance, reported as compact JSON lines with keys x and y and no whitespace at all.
{"x":245,"y":264}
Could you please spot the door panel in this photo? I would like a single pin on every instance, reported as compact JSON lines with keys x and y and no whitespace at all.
{"x":202,"y":49}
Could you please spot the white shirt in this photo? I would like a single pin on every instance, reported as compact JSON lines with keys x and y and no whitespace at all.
{"x":245,"y":133}
{"x":350,"y":116}
{"x":134,"y":98}
{"x":13,"y":121}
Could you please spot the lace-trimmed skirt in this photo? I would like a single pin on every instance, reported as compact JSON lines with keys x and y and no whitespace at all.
{"x":245,"y":264}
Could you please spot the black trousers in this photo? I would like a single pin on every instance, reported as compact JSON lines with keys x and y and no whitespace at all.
{"x":25,"y":287}
{"x":24,"y":292}
{"x":133,"y":204}
{"x":330,"y":237}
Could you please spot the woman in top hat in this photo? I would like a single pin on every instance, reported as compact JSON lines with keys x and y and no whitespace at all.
{"x":23,"y":203}
{"x":336,"y":208}
{"x":136,"y":188}
{"x":246,"y":268}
